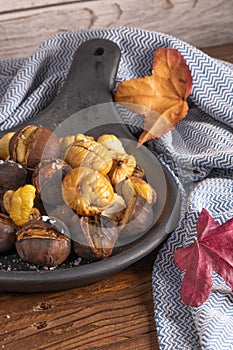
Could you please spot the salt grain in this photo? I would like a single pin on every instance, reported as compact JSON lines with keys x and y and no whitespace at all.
{"x":77,"y":262}
{"x":45,"y":218}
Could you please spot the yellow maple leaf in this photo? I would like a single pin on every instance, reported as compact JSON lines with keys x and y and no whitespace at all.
{"x":161,"y":97}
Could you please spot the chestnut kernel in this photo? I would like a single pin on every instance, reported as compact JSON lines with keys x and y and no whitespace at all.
{"x":87,"y":191}
{"x":89,"y":153}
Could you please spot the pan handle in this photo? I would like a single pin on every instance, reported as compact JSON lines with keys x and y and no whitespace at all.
{"x":91,"y":78}
{"x":90,"y":81}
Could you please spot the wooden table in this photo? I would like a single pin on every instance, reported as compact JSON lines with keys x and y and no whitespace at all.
{"x":115,"y":313}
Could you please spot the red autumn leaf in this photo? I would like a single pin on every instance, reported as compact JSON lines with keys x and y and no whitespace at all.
{"x":162,"y":96}
{"x":213,"y":251}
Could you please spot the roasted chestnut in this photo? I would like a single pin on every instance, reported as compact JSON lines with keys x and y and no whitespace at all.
{"x":123,"y":167}
{"x":31,"y":144}
{"x":134,"y":185}
{"x":137,"y":217}
{"x":139,"y":196}
{"x":47,"y":178}
{"x":66,"y":141}
{"x":143,"y":189}
{"x":93,"y":237}
{"x":113,"y":144}
{"x":115,"y":210}
{"x":89,"y":153}
{"x":12,"y":175}
{"x":7,"y":233}
{"x":43,"y":241}
{"x":87,"y":191}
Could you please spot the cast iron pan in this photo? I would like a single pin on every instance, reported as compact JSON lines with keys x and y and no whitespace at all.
{"x":85,"y":105}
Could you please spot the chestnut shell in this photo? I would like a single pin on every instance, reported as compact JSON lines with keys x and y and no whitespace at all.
{"x":139,"y":219}
{"x":47,"y":178}
{"x":93,"y":237}
{"x":50,"y":250}
{"x":12,"y":175}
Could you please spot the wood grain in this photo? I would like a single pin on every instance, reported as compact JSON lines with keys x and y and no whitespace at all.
{"x":116,"y":313}
{"x":26,"y":24}
{"x":223,"y":52}
{"x":21,"y":5}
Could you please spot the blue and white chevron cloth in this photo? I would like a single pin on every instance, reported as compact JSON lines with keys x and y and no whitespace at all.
{"x":199,"y":154}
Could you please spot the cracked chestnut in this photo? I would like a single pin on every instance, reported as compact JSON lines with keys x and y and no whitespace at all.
{"x":93,"y":237}
{"x":137,"y":217}
{"x":43,"y":241}
{"x":89,"y":153}
{"x":123,"y":167}
{"x":31,"y":144}
{"x":139,"y":196}
{"x":87,"y":191}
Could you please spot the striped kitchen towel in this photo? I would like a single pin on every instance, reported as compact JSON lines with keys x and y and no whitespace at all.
{"x":199,"y":154}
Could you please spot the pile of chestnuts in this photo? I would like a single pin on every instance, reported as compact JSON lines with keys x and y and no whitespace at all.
{"x":73,"y":194}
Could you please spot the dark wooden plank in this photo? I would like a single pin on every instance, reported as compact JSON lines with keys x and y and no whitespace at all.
{"x":114,"y":313}
{"x":223,"y":52}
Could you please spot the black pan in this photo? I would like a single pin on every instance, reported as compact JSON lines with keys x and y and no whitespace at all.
{"x":85,"y":104}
